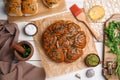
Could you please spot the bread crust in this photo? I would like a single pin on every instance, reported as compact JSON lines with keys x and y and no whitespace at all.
{"x":22,"y":7}
{"x":51,"y":3}
{"x":59,"y":41}
{"x":15,"y":1}
{"x":29,"y":7}
{"x":14,"y":9}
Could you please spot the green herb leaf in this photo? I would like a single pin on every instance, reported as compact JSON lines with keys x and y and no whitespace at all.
{"x":113,"y":42}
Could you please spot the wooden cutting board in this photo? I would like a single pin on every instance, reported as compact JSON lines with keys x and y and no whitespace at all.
{"x":53,"y":69}
{"x":42,"y":11}
{"x":109,"y":56}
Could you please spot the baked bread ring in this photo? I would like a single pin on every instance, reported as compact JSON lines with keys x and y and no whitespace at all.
{"x":63,"y":41}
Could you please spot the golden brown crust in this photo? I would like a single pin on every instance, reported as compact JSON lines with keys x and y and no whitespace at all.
{"x":29,"y":7}
{"x":22,"y":7}
{"x":56,"y":54}
{"x":14,"y":8}
{"x":73,"y":54}
{"x":15,"y":1}
{"x":80,"y":39}
{"x":51,"y":3}
{"x":60,"y":44}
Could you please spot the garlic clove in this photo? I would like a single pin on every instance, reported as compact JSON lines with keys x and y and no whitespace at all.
{"x":78,"y":76}
{"x":90,"y":73}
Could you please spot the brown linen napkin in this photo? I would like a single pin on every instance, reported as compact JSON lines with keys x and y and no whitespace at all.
{"x":14,"y":71}
{"x":8,"y":34}
{"x":20,"y":71}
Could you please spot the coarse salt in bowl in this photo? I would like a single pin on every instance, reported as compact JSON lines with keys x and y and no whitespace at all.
{"x":30,"y":29}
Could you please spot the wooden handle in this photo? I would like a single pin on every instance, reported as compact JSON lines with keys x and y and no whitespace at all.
{"x":18,"y":48}
{"x":82,"y":18}
{"x":94,"y":33}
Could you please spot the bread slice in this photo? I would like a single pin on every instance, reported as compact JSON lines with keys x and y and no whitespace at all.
{"x":14,"y":9}
{"x":51,"y":3}
{"x":29,"y":7}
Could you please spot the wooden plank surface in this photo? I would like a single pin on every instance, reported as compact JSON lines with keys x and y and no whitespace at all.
{"x":109,"y":56}
{"x":36,"y":60}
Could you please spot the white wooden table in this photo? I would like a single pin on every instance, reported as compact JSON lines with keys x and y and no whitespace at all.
{"x":35,"y":60}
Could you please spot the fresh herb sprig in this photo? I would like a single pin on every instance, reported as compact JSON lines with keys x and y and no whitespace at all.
{"x":27,"y":50}
{"x":113,"y":42}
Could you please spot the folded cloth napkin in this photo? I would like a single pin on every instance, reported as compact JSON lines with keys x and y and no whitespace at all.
{"x":9,"y":34}
{"x":20,"y":71}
